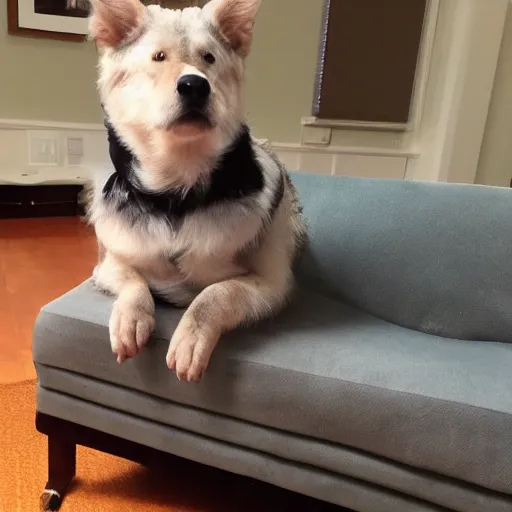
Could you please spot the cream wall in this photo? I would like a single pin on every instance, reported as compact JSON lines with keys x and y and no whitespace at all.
{"x":46,"y":80}
{"x":495,"y":164}
{"x":54,"y":81}
{"x":457,"y":72}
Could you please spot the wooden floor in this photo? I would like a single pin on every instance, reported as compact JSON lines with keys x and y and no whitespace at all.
{"x":40,"y":259}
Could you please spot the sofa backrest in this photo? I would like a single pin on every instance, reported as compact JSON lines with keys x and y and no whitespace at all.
{"x":431,"y":257}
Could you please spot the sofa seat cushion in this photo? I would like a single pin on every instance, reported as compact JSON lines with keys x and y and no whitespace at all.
{"x":327,"y":471}
{"x":320,"y":369}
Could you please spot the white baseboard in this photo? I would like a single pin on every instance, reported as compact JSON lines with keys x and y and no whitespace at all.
{"x":334,"y":160}
{"x":29,"y":124}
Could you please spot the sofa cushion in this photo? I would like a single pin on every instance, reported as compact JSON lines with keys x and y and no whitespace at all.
{"x":354,"y":479}
{"x":434,"y":257}
{"x":323,"y":370}
{"x":284,"y":472}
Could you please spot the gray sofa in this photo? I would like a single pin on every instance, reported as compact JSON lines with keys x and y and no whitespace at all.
{"x":385,"y":386}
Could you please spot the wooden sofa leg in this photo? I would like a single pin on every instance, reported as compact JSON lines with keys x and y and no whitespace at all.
{"x":61,"y":470}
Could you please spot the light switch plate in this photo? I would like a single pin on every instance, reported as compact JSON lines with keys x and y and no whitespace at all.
{"x":43,"y":148}
{"x":75,"y":146}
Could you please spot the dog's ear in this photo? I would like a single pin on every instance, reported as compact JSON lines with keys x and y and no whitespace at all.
{"x":115,"y":21}
{"x":235,"y":19}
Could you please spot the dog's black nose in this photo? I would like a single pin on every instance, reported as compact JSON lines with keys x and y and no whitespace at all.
{"x":194,"y":90}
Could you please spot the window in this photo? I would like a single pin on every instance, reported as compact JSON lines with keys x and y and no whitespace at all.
{"x":368,"y":60}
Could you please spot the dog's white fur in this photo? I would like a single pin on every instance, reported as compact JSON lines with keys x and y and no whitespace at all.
{"x":234,"y":258}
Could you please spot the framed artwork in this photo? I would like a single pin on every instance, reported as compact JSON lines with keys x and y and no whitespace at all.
{"x":65,"y":20}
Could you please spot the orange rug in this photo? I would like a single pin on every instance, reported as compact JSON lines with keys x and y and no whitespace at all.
{"x":109,"y":484}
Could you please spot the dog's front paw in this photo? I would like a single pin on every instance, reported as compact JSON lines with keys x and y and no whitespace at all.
{"x":190,"y":350}
{"x":130,"y":328}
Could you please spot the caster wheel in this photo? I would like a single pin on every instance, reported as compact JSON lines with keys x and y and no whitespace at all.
{"x":50,"y":501}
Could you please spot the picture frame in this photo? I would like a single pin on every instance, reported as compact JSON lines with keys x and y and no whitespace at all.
{"x":31,"y":18}
{"x":64,"y":20}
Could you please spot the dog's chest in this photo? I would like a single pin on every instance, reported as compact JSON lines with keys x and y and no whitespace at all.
{"x":200,"y":253}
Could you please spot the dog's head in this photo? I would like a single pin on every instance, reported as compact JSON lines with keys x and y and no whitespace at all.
{"x":171,"y":81}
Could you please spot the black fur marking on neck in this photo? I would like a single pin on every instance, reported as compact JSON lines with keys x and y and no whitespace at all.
{"x":238,"y":175}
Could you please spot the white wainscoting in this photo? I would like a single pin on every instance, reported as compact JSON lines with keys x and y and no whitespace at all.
{"x":14,"y":152}
{"x":345,"y":161}
{"x":15,"y":167}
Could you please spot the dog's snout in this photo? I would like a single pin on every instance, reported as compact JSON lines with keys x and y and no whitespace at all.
{"x":194,"y":90}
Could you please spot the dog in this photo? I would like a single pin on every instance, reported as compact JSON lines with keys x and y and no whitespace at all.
{"x":198,"y":213}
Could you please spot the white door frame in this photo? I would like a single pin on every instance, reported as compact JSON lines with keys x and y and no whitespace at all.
{"x":458,"y":92}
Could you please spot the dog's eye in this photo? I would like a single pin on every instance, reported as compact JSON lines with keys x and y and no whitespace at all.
{"x":209,"y":58}
{"x":159,"y":56}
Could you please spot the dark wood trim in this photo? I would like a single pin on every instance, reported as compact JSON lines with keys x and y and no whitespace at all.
{"x":64,"y":436}
{"x":28,"y":201}
{"x":101,"y":441}
{"x":14,"y":28}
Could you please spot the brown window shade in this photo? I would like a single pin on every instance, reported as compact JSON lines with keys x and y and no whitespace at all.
{"x":368,"y":60}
